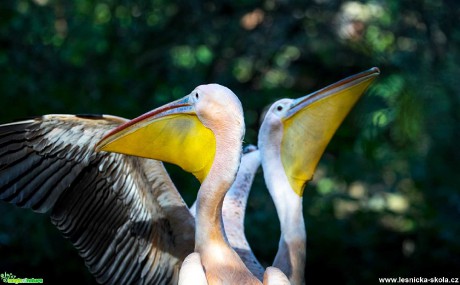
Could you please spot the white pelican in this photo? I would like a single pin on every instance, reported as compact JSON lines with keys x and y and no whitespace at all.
{"x":292,"y":138}
{"x":207,"y":143}
{"x":123,"y":213}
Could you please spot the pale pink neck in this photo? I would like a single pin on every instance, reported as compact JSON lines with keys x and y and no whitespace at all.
{"x":209,"y":226}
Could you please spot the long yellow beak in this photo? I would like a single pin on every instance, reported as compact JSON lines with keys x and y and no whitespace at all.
{"x":312,"y":121}
{"x":172,"y":133}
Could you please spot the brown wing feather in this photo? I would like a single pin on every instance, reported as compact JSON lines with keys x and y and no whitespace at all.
{"x":122,"y":213}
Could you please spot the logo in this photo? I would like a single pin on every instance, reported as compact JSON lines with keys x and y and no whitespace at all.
{"x":12,"y":279}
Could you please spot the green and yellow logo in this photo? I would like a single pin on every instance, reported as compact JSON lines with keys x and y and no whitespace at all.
{"x":10,"y":278}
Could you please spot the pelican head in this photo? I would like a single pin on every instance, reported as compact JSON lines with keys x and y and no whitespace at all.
{"x":298,"y":130}
{"x":182,"y":132}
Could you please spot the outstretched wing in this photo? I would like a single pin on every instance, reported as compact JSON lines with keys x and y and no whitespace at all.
{"x":122,"y":213}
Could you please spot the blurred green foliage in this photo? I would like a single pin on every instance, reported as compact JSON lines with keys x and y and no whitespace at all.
{"x":385,"y":201}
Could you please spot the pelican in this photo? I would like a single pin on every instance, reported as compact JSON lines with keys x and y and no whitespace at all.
{"x":292,"y":139}
{"x":123,"y":213}
{"x":210,"y":131}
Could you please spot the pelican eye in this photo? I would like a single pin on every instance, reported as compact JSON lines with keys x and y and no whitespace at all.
{"x":197,"y":96}
{"x":279,"y":108}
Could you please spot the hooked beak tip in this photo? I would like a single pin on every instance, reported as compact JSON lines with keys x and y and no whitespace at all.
{"x":333,"y":88}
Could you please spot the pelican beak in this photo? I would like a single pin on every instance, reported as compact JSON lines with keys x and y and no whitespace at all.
{"x":172,"y":133}
{"x":311,"y":122}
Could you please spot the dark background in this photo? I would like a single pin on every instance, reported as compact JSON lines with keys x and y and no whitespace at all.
{"x":385,"y":201}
